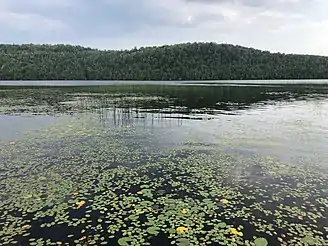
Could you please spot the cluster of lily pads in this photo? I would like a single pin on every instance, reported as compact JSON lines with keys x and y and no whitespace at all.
{"x":81,"y":181}
{"x":78,"y":182}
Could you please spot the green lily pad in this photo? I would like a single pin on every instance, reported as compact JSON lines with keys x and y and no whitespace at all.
{"x":27,"y":196}
{"x":183,"y":242}
{"x":133,"y":217}
{"x":154,"y":230}
{"x":309,"y":240}
{"x":261,"y":241}
{"x":222,"y":225}
{"x":124,"y":241}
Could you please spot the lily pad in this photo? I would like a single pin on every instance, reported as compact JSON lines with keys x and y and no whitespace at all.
{"x":124,"y":241}
{"x":183,"y":242}
{"x":261,"y":241}
{"x":154,"y":230}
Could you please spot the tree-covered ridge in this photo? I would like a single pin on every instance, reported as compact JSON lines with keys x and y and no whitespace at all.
{"x":189,"y":61}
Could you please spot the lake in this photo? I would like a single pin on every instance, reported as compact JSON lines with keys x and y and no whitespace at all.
{"x":136,"y":82}
{"x":174,"y":163}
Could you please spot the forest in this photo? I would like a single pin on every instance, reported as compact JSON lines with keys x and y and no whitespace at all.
{"x":187,"y":61}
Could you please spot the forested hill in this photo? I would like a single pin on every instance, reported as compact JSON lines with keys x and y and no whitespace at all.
{"x":190,"y":61}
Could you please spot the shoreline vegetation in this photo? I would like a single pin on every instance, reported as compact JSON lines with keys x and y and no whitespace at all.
{"x":186,"y":61}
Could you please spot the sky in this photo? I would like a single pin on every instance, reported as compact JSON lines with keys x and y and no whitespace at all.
{"x":288,"y":26}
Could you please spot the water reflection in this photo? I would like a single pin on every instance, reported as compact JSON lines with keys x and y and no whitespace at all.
{"x":288,"y":123}
{"x":274,"y":111}
{"x":12,"y":127}
{"x":189,"y":100}
{"x":134,"y":116}
{"x":172,"y":106}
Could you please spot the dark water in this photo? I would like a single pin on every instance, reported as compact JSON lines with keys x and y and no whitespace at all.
{"x":262,"y":147}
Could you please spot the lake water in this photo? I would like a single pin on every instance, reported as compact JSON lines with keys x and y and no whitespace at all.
{"x":136,"y":82}
{"x":181,"y":163}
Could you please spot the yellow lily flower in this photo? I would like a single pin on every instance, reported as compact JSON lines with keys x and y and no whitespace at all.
{"x":80,"y":204}
{"x":224,"y":201}
{"x":182,"y":229}
{"x":234,"y":231}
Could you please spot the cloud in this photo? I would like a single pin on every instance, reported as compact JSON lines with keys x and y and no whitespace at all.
{"x":297,"y":26}
{"x":30,"y":22}
{"x":258,"y":3}
{"x":22,"y":21}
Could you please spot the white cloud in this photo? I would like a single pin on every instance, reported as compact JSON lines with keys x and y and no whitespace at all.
{"x":12,"y":4}
{"x":30,"y":22}
{"x":33,"y":23}
{"x":297,"y":26}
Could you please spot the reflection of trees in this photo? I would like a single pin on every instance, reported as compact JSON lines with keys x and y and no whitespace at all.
{"x":163,"y":101}
{"x":133,"y":116}
{"x":168,"y":100}
{"x":120,"y":111}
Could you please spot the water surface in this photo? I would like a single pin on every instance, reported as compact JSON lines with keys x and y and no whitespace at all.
{"x":152,"y":82}
{"x":161,"y":164}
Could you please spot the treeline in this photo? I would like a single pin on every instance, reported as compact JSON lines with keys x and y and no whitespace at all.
{"x":189,"y":61}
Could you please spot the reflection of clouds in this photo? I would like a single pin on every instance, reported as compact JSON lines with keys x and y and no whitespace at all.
{"x":13,"y":127}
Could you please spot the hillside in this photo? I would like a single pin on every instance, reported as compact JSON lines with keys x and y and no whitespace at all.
{"x":190,"y":61}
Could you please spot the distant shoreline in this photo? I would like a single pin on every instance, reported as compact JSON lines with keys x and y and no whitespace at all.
{"x":180,"y":62}
{"x":140,"y":82}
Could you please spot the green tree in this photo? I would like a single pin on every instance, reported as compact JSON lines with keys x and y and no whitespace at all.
{"x":189,"y":61}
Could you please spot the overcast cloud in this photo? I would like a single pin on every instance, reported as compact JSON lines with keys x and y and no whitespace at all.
{"x":291,"y":26}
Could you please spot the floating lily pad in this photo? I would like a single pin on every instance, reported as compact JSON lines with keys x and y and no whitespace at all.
{"x":261,"y":242}
{"x":183,"y":242}
{"x":124,"y":241}
{"x":153,"y":230}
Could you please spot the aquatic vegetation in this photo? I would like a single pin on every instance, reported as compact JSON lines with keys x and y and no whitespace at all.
{"x":224,"y":201}
{"x":234,"y":231}
{"x":80,"y":204}
{"x":260,"y":242}
{"x":182,"y":229}
{"x":176,"y":195}
{"x":124,"y":241}
{"x":82,"y":181}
